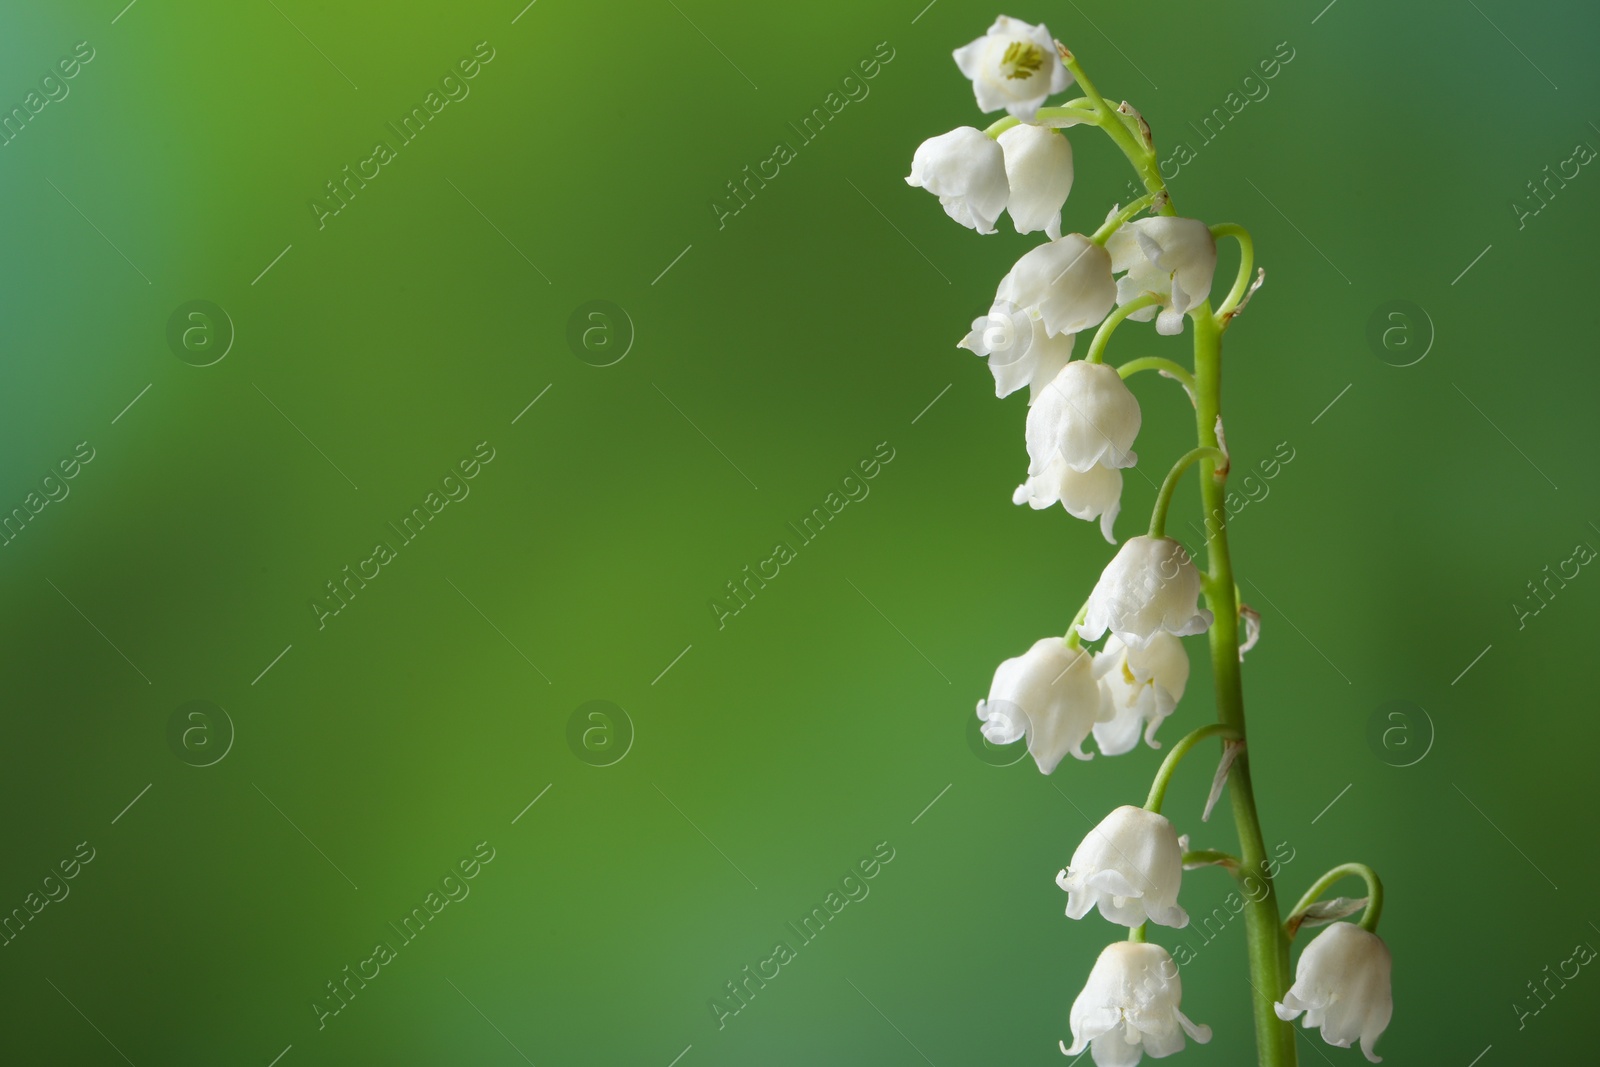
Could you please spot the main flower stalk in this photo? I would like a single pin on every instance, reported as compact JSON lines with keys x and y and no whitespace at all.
{"x":1268,"y":947}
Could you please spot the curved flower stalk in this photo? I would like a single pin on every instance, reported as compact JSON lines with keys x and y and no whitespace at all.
{"x":1144,"y":262}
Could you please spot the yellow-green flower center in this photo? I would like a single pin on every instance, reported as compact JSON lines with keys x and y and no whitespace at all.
{"x":1022,"y":59}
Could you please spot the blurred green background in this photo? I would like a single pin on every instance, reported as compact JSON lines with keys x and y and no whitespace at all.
{"x":349,"y":767}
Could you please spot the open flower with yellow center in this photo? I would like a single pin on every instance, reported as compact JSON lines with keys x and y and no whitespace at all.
{"x":1144,"y":686}
{"x":1013,"y":66}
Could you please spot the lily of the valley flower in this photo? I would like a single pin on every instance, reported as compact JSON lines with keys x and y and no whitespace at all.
{"x":1013,"y":66}
{"x":1019,"y":350}
{"x":1170,"y":257}
{"x":1130,"y":866}
{"x":1129,"y":1006}
{"x":1151,"y":586}
{"x":1090,"y":494}
{"x":966,"y":170}
{"x":1342,"y":984}
{"x":1144,"y":685}
{"x":1087,"y":416}
{"x":1039,"y":170}
{"x":1066,"y":282}
{"x":1049,"y":694}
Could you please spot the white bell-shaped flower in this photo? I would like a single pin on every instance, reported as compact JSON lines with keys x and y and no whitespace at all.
{"x":1144,"y":685}
{"x":1130,"y":1006}
{"x":1342,"y":983}
{"x":1151,"y":586}
{"x":1049,"y":693}
{"x":1171,"y":257}
{"x":1131,"y":867}
{"x":1039,"y":171}
{"x":1090,"y":494}
{"x":1087,"y":416}
{"x":966,"y":170}
{"x":1019,"y":350}
{"x":1013,"y":66}
{"x":1067,"y":282}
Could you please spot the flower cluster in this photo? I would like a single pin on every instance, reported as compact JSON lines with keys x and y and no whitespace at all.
{"x":1082,"y":418}
{"x":1082,"y":422}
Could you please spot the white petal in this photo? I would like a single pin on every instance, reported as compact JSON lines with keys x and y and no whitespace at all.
{"x":1039,"y":171}
{"x":1067,"y":282}
{"x":1087,"y":416}
{"x":965,"y":169}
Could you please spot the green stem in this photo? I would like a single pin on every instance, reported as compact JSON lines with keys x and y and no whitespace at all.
{"x":1158,"y":787}
{"x":1073,"y":638}
{"x":1097,"y":347}
{"x":1166,"y":366}
{"x":1369,"y":917}
{"x":1136,"y":933}
{"x":1268,"y":947}
{"x":1247,"y":252}
{"x":1114,"y":223}
{"x":1143,"y":159}
{"x":1158,"y":514}
{"x":1067,"y":111}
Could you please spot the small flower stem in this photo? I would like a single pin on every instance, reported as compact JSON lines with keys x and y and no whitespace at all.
{"x":1097,"y":347}
{"x":1136,"y":934}
{"x":1073,"y":638}
{"x":1268,"y":947}
{"x":1070,"y":110}
{"x":1166,"y":366}
{"x":1374,"y":909}
{"x":1158,"y":788}
{"x":1115,"y":222}
{"x":1241,"y":284}
{"x":1158,"y":514}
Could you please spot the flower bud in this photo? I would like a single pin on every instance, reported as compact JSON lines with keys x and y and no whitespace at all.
{"x":1169,"y":257}
{"x":1096,"y":492}
{"x":1129,"y":1006}
{"x":1049,"y":694}
{"x":966,"y":170}
{"x":1087,"y":416}
{"x":1019,"y":350}
{"x":1130,"y":866}
{"x":1067,"y":282}
{"x":1342,"y":984}
{"x":1039,"y":170}
{"x":1151,"y":586}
